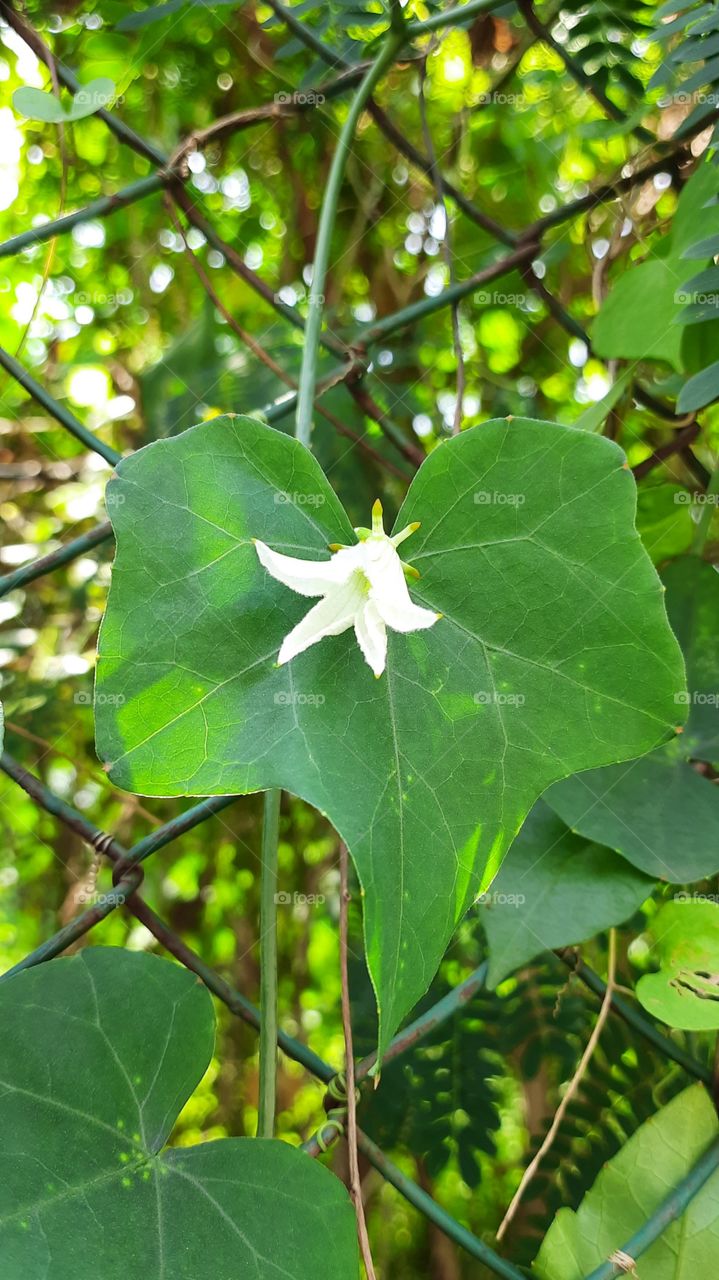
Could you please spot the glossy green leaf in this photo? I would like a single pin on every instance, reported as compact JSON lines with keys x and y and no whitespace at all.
{"x":553,"y":654}
{"x":685,"y":991}
{"x":98,"y":1055}
{"x":554,"y":889}
{"x":659,"y":812}
{"x":630,"y":1188}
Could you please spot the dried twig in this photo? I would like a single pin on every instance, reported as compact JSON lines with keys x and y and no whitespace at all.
{"x":355,"y":1182}
{"x":572,"y":1087}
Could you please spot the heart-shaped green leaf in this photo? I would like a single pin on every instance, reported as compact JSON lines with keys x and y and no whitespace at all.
{"x":685,"y":991}
{"x":554,"y":889}
{"x":553,"y":654}
{"x":630,"y":1188}
{"x":659,"y":812}
{"x":98,"y":1054}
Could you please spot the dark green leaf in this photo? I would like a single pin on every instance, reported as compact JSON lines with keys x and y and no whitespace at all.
{"x":98,"y":1055}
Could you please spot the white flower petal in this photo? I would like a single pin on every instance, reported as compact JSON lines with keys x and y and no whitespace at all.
{"x":330,"y":617}
{"x":372,"y":637}
{"x":389,"y":591}
{"x":306,"y":577}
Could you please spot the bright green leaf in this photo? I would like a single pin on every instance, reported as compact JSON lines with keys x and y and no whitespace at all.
{"x":553,"y":654}
{"x":685,"y":991}
{"x":630,"y":1188}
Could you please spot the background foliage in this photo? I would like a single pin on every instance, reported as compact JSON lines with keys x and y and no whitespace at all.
{"x":125,"y":321}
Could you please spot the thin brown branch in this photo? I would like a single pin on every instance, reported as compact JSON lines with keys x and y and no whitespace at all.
{"x":682,"y":439}
{"x":355,"y":1180}
{"x":572,"y":1087}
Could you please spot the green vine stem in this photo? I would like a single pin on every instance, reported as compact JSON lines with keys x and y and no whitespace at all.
{"x":268,"y":967}
{"x":308,"y":372}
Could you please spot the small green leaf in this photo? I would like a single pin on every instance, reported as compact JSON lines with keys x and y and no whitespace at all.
{"x":699,"y":391}
{"x":630,"y":1188}
{"x":36,"y":104}
{"x":685,"y":991}
{"x":98,"y":1055}
{"x":554,"y":889}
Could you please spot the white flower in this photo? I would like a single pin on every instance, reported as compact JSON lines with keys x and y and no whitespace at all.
{"x":361,"y":586}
